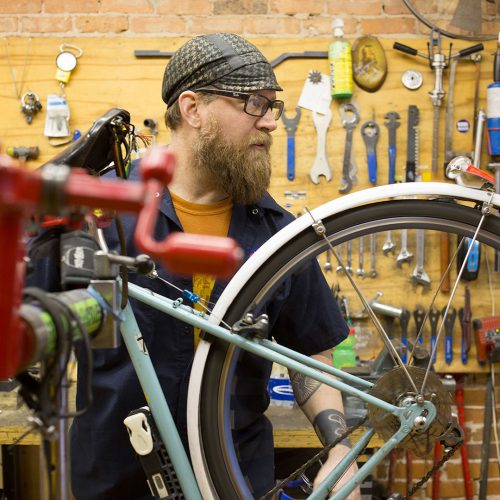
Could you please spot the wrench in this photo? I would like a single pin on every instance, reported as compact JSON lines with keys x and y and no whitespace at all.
{"x":404,"y":254}
{"x":388,"y":246}
{"x":419,"y":276}
{"x":348,"y":168}
{"x":340,"y":251}
{"x":321,"y":167}
{"x":328,"y":263}
{"x":348,"y":266}
{"x":370,"y":132}
{"x":360,"y":272}
{"x":373,"y":249}
{"x":392,"y":123}
{"x":291,"y":127}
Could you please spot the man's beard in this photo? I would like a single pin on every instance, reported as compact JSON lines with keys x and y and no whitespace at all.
{"x":240,"y":170}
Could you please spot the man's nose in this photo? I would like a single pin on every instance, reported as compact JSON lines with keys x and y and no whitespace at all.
{"x":267,"y":121}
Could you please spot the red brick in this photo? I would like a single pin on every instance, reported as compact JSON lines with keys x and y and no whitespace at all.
{"x":388,"y":26}
{"x":273,"y":25}
{"x":240,"y":7}
{"x":194,"y":7}
{"x":157,"y":24}
{"x":291,"y":7}
{"x":198,"y":25}
{"x":80,"y":6}
{"x":101,"y":24}
{"x":21,"y":7}
{"x":126,"y":6}
{"x":8,"y":24}
{"x":345,"y":8}
{"x":46,"y":24}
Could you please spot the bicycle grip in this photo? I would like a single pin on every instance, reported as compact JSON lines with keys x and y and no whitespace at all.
{"x":471,"y":50}
{"x":405,"y":48}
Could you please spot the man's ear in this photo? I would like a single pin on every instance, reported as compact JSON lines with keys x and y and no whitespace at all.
{"x":189,"y":108}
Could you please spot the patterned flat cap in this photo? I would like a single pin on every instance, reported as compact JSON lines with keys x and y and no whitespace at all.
{"x":225,"y":60}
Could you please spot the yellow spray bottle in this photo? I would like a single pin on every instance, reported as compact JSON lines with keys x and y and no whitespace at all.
{"x":340,"y":59}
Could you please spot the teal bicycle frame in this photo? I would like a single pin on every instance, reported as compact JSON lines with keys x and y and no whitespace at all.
{"x":272,"y":352}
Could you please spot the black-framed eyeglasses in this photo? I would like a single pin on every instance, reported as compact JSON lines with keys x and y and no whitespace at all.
{"x":255,"y":104}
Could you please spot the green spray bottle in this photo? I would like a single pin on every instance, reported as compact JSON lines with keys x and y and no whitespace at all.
{"x":340,"y":59}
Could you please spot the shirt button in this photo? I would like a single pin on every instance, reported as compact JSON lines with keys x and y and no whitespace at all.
{"x":255,"y":211}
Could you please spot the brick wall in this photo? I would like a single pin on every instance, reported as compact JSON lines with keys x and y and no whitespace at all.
{"x":273,"y":18}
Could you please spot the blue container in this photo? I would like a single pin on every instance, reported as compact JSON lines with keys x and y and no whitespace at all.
{"x":493,"y":122}
{"x":280,"y":391}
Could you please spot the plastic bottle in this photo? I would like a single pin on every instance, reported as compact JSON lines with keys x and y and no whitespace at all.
{"x":344,"y":354}
{"x":493,"y":106}
{"x":340,"y":59}
{"x":280,"y":388}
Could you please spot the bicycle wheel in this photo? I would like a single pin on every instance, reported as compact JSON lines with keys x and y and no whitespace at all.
{"x":218,"y":380}
{"x":461,"y":19}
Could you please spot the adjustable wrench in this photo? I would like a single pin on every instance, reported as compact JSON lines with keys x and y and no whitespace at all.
{"x":348,"y":168}
{"x":291,"y":127}
{"x":404,"y":254}
{"x":370,"y":132}
{"x":321,"y":167}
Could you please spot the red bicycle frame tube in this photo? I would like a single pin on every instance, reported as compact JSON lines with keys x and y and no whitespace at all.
{"x":23,"y":192}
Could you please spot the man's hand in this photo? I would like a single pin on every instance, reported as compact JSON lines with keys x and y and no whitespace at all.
{"x":334,"y":457}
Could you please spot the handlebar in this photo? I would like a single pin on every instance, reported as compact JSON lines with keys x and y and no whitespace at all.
{"x":58,"y":189}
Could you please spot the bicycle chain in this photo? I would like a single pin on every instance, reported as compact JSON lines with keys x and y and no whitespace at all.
{"x":434,"y":469}
{"x":314,"y":459}
{"x":345,"y":435}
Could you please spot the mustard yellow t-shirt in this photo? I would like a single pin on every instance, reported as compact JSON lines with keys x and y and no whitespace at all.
{"x":212,"y":219}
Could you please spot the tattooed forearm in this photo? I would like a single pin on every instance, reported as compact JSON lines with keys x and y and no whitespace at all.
{"x":303,"y":387}
{"x":329,"y":426}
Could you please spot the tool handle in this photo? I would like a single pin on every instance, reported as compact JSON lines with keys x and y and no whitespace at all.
{"x":290,"y":158}
{"x":464,"y":351}
{"x":445,"y":261}
{"x":404,"y":355}
{"x":471,"y":50}
{"x":372,"y":167}
{"x":448,"y":349}
{"x":433,"y":352}
{"x":405,"y":48}
{"x":392,"y":164}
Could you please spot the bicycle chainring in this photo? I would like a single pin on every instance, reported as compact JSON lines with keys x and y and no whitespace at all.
{"x":395,"y":388}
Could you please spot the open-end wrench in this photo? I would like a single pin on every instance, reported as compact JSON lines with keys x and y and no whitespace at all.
{"x":404,"y":254}
{"x":328,"y":263}
{"x":340,"y":251}
{"x":291,"y":127}
{"x":392,"y":123}
{"x":404,"y":321}
{"x":349,"y":116}
{"x":361,"y":244}
{"x":388,"y":246}
{"x":373,"y":249}
{"x":419,"y":276}
{"x":348,"y":266}
{"x":449,"y":325}
{"x":321,"y":167}
{"x":370,"y":132}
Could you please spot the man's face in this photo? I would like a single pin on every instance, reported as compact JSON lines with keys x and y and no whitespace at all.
{"x":234,"y":160}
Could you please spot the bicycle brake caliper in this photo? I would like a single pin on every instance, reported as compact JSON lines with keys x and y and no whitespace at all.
{"x":250,"y":327}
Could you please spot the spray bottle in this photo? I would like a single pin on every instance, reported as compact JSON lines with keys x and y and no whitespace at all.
{"x":340,"y":59}
{"x":493,"y":107}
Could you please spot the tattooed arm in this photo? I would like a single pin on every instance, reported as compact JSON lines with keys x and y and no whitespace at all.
{"x":323,"y":407}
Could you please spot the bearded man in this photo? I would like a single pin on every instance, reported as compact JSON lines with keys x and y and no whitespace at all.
{"x":222,"y":108}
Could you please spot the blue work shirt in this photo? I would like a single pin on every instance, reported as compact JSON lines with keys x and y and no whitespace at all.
{"x":304,"y":317}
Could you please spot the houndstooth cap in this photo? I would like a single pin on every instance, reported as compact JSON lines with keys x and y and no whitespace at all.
{"x":225,"y":60}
